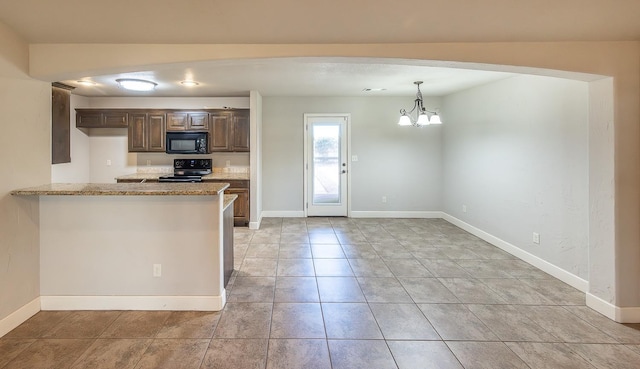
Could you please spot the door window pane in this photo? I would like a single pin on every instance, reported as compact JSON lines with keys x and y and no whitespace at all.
{"x":326,"y":164}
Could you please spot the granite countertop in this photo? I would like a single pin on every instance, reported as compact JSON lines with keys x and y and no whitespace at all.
{"x":208,"y":177}
{"x":124,"y":189}
{"x":227,"y":176}
{"x":228,"y":200}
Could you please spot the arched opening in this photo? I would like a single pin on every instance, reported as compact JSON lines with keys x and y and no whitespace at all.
{"x":586,"y":259}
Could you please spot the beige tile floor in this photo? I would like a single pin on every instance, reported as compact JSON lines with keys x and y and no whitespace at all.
{"x":348,"y":293}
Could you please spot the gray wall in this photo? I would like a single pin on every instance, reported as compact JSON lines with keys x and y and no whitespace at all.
{"x":515,"y":152}
{"x":25,"y":117}
{"x":401,"y":163}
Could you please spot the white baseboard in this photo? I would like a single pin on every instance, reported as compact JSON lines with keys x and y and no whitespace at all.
{"x":256,"y":225}
{"x":19,"y":316}
{"x":539,"y":263}
{"x":283,"y":214}
{"x":397,"y":214}
{"x":619,"y":314}
{"x":198,"y":303}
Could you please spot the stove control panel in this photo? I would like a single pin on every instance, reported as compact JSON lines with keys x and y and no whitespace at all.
{"x":192,"y":163}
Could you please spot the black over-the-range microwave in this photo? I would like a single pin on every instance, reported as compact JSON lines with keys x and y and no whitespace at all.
{"x":187,"y":143}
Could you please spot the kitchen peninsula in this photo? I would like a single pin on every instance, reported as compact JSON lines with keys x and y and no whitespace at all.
{"x":127,"y":246}
{"x":238,"y":185}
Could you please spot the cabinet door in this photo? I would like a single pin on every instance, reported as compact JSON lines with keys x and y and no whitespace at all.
{"x":115,"y":119}
{"x":176,"y":121}
{"x":88,"y":119}
{"x":198,"y":121}
{"x":241,"y":205}
{"x":240,"y":131}
{"x":156,"y":132}
{"x":138,"y":132}
{"x":219,"y":137}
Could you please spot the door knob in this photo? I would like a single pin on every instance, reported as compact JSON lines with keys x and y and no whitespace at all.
{"x":344,"y":171}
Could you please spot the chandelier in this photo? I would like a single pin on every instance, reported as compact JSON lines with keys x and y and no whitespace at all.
{"x":422,"y":117}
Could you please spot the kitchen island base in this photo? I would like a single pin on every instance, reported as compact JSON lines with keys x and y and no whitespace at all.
{"x":131,"y":253}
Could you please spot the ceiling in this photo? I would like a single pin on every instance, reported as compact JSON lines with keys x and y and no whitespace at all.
{"x":294,"y":77}
{"x":327,"y":21}
{"x":311,"y":22}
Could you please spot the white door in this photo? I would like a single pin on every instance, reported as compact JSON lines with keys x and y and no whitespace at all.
{"x":326,"y":169}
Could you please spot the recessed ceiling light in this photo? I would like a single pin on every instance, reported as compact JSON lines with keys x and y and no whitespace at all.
{"x":374,"y":89}
{"x":189,"y":83}
{"x":136,"y":84}
{"x":86,"y":83}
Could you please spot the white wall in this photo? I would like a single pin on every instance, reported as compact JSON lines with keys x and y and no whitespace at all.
{"x":25,"y":118}
{"x":110,"y":144}
{"x":78,"y":170}
{"x":401,"y":163}
{"x":516,"y":154}
{"x":255,"y":184}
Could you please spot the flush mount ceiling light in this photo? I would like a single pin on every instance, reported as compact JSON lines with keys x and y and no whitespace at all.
{"x":422,"y":117}
{"x":136,"y":84}
{"x":189,"y":83}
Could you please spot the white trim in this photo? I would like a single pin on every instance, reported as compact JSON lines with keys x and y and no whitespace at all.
{"x":283,"y":214}
{"x":539,"y":263}
{"x":619,"y":314}
{"x":627,"y":314}
{"x":19,"y":316}
{"x":197,"y":303}
{"x":306,"y":158}
{"x":397,"y":214}
{"x":256,"y":225}
{"x":603,"y":307}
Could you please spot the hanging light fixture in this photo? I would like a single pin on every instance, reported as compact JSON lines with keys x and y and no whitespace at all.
{"x":136,"y":84}
{"x":422,"y":117}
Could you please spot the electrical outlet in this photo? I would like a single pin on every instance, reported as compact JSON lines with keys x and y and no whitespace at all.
{"x":108,"y":162}
{"x":464,"y":208}
{"x":148,"y":162}
{"x":354,"y":157}
{"x":536,"y":238}
{"x":228,"y":163}
{"x":384,"y":199}
{"x":157,"y":270}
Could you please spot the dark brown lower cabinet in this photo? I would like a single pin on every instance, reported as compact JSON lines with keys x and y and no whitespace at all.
{"x":241,"y":205}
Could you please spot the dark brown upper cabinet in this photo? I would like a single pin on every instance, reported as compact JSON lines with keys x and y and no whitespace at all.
{"x":147,"y":132}
{"x":102,"y":118}
{"x":240,"y":130}
{"x":220,"y":131}
{"x":187,"y":121}
{"x":60,"y":123}
{"x":229,"y":130}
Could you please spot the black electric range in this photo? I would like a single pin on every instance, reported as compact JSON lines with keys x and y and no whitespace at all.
{"x":188,"y":170}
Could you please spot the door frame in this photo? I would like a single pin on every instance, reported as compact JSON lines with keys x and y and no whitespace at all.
{"x":347,"y":160}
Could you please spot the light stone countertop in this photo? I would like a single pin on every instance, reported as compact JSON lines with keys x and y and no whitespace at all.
{"x":124,"y":189}
{"x":228,"y":200}
{"x":208,"y":177}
